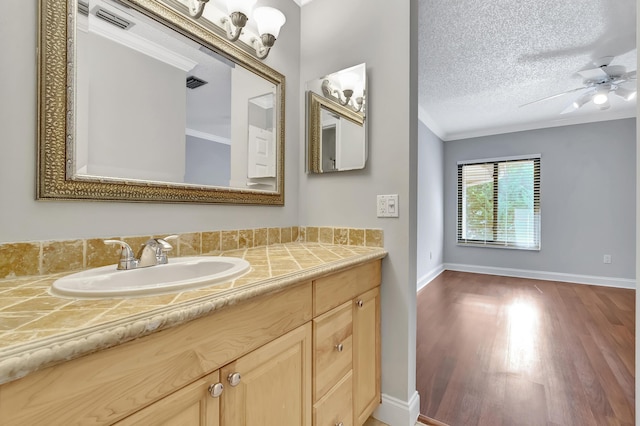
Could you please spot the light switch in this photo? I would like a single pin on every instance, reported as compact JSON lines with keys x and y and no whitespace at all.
{"x":387,"y":205}
{"x":392,"y":205}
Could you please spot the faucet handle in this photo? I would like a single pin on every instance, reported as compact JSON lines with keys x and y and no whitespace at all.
{"x":127,"y":259}
{"x":162,"y":248}
{"x":164,"y":244}
{"x":169,"y":238}
{"x":154,"y":252}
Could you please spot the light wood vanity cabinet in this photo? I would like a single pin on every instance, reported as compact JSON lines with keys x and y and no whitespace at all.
{"x":309,"y":354}
{"x":347,"y":346}
{"x":275,"y":384}
{"x":192,"y":405}
{"x":366,"y":354}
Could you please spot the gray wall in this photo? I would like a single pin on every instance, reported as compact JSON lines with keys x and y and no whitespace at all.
{"x":588,"y":204}
{"x":22,"y":218}
{"x":430,"y":205}
{"x":207,"y":162}
{"x":370,"y":31}
{"x":138,"y":114}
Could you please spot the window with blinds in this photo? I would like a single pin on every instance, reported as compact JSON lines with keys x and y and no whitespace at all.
{"x":499,"y":203}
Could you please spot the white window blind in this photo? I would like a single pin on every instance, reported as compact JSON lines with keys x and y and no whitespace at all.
{"x":499,"y":203}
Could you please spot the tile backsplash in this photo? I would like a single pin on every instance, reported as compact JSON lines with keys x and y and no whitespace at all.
{"x":48,"y":257}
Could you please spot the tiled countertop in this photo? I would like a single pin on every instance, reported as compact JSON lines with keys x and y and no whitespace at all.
{"x":38,"y":330}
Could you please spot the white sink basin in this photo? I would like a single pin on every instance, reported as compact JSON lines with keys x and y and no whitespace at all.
{"x":181,"y":273}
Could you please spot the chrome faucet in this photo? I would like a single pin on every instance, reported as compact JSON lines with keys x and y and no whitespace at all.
{"x":153,"y":252}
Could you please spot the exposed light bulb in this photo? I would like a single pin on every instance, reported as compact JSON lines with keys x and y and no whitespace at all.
{"x":600,"y":98}
{"x":602,"y":95}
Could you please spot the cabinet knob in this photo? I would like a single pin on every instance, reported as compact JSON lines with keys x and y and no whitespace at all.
{"x":216,"y":390}
{"x":340,"y":424}
{"x":234,"y":379}
{"x":359,"y":303}
{"x":339,"y":347}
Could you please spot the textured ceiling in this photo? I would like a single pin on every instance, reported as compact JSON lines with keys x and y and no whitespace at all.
{"x":479,"y":60}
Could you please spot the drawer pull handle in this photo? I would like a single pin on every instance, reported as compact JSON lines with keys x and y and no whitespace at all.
{"x":234,"y":379}
{"x":340,"y":424}
{"x":339,"y":347}
{"x":360,"y":303}
{"x":216,"y":390}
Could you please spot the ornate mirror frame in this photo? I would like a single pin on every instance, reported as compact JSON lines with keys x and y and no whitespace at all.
{"x":56,"y":115}
{"x":315,"y":104}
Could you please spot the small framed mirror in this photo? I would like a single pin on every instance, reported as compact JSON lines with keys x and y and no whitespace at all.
{"x":336,"y":121}
{"x":141,"y":102}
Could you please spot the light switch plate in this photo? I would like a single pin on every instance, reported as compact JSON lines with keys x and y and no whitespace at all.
{"x":387,"y":205}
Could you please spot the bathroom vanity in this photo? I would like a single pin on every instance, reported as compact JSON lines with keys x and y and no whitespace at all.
{"x":300,"y":349}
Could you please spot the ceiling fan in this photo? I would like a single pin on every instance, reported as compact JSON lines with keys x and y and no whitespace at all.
{"x":600,"y":80}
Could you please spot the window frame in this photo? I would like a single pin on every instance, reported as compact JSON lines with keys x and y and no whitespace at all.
{"x":537,"y":211}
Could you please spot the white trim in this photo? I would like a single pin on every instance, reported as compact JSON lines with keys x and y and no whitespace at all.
{"x":431,"y":124}
{"x":544,"y":275}
{"x":395,"y":412}
{"x":139,"y":44}
{"x":429,"y":276}
{"x":500,"y":159}
{"x":523,"y":127}
{"x":207,"y":136}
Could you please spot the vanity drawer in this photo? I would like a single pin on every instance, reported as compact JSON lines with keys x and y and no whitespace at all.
{"x":332,"y":348}
{"x":336,"y":289}
{"x":337,"y":406}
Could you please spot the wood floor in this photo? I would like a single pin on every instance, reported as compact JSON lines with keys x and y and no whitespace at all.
{"x":507,"y":351}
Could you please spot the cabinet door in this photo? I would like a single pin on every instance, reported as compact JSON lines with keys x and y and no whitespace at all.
{"x":273,"y":384}
{"x":191,"y":405}
{"x":366,"y":354}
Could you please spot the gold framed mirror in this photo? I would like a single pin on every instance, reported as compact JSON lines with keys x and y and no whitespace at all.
{"x":326,"y":122}
{"x":66,"y":169}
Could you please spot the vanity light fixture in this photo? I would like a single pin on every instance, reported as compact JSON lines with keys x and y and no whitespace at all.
{"x":196,"y":7}
{"x":345,"y":97}
{"x":268,"y":20}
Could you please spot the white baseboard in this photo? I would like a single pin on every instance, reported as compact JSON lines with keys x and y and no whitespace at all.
{"x":429,"y":276}
{"x":543,"y":275}
{"x":395,"y":412}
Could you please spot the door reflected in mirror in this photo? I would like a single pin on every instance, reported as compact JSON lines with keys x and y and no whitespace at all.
{"x":336,"y":121}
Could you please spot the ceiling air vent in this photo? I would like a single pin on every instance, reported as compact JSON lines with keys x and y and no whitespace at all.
{"x":83,"y":8}
{"x":113,"y":19}
{"x":193,"y":82}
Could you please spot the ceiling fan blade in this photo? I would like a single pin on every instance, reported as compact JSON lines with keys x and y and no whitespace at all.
{"x":595,"y":71}
{"x":615,"y":70}
{"x":631,"y":75}
{"x":577,"y":103}
{"x":593,"y":74}
{"x":628,"y":83}
{"x":557,"y":95}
